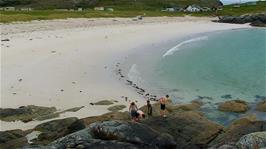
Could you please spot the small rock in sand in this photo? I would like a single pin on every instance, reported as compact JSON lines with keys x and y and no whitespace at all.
{"x":19,"y":80}
{"x":5,"y":40}
{"x":117,"y":108}
{"x":103,"y":102}
{"x":53,"y":51}
{"x":61,"y":90}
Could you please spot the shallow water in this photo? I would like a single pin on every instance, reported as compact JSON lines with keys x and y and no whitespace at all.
{"x":220,"y":66}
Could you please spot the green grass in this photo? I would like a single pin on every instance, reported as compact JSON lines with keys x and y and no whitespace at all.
{"x":9,"y":16}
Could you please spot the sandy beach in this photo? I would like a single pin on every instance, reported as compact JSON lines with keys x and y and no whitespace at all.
{"x":71,"y":63}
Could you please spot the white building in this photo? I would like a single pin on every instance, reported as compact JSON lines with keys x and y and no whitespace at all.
{"x":9,"y":8}
{"x":192,"y":8}
{"x":169,"y":9}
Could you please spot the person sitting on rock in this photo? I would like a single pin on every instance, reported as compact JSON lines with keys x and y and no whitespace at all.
{"x":149,"y":108}
{"x":163,"y":101}
{"x":133,"y":111}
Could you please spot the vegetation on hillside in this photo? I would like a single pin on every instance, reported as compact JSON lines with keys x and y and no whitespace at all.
{"x":123,"y":9}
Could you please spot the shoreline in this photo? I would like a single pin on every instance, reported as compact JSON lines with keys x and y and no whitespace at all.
{"x":49,"y":60}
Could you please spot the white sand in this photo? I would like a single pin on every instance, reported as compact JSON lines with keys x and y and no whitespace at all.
{"x":83,"y":48}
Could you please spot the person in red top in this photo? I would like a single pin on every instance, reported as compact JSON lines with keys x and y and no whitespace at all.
{"x":163,"y":101}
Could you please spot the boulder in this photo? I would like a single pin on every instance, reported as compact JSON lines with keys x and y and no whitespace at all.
{"x":252,"y":140}
{"x":261,"y":106}
{"x":190,"y":129}
{"x":117,"y":108}
{"x":254,"y":19}
{"x":55,"y":129}
{"x":104,"y":102}
{"x":238,"y":129}
{"x":12,"y":139}
{"x":105,"y":117}
{"x":25,"y":113}
{"x":233,"y":106}
{"x":185,"y":107}
{"x":115,"y":134}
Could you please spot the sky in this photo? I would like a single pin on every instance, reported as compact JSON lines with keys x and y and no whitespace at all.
{"x":235,"y":1}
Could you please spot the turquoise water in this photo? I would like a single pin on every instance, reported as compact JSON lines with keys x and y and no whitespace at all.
{"x":211,"y":65}
{"x":230,"y":62}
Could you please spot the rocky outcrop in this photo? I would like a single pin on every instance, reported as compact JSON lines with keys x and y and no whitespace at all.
{"x":25,"y":113}
{"x":252,"y":140}
{"x":261,"y":106}
{"x":106,"y":117}
{"x":190,"y":129}
{"x":253,"y":19}
{"x":12,"y":139}
{"x":116,"y":134}
{"x":55,"y":129}
{"x":31,"y":112}
{"x":233,"y":106}
{"x":184,"y":127}
{"x":238,"y":129}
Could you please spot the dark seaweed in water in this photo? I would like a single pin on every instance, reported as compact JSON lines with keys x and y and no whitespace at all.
{"x":260,"y":97}
{"x":227,"y":96}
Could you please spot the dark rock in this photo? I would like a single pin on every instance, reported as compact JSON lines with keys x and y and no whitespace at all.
{"x":12,"y":139}
{"x":233,"y":106}
{"x":190,"y":129}
{"x":227,"y":96}
{"x":116,"y":108}
{"x":5,"y":40}
{"x":260,"y":97}
{"x":261,"y":106}
{"x":105,"y":117}
{"x":55,"y":129}
{"x":254,"y":19}
{"x":252,"y":141}
{"x":238,"y":129}
{"x":116,"y":134}
{"x":25,"y":113}
{"x":103,"y":102}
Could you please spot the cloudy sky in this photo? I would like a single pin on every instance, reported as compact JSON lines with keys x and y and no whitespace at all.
{"x":235,"y":1}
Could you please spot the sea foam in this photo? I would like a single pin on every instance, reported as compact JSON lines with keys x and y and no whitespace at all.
{"x":176,"y":48}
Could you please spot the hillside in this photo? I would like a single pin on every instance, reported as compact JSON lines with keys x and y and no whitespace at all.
{"x":118,"y":4}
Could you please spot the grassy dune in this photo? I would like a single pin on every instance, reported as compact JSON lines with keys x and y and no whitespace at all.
{"x":12,"y":16}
